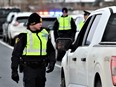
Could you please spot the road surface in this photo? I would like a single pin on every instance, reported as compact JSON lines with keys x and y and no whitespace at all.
{"x":53,"y":78}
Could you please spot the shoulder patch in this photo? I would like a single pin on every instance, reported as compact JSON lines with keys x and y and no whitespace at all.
{"x":17,"y":40}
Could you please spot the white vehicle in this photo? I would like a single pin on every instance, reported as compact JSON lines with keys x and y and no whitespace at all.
{"x":6,"y":24}
{"x":92,"y":60}
{"x":16,"y":26}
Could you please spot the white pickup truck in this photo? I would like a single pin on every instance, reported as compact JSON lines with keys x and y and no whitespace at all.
{"x":91,"y":62}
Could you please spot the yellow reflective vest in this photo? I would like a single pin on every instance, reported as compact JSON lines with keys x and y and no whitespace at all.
{"x":80,"y":25}
{"x":64,"y":23}
{"x":36,"y":43}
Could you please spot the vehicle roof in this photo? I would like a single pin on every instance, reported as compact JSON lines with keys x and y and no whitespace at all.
{"x":29,"y":13}
{"x":23,"y":14}
{"x":105,"y":9}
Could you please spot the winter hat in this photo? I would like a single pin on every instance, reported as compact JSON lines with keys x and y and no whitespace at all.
{"x":65,"y":10}
{"x":33,"y":19}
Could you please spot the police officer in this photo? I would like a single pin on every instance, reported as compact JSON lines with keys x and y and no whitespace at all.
{"x":86,"y":14}
{"x":80,"y":25}
{"x":35,"y":49}
{"x":64,"y":27}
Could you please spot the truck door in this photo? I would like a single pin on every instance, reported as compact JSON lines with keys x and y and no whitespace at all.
{"x":78,"y":63}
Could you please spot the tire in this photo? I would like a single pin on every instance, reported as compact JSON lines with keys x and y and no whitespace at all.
{"x":63,"y":82}
{"x":98,"y":83}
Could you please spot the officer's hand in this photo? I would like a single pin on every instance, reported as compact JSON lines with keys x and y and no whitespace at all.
{"x":15,"y":76}
{"x":50,"y":67}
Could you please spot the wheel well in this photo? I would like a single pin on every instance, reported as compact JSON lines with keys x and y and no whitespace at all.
{"x":97,"y":78}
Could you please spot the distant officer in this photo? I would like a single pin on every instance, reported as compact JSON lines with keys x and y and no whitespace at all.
{"x":86,"y":14}
{"x":35,"y":50}
{"x":64,"y":27}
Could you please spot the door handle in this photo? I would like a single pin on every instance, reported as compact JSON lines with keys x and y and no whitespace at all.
{"x":83,"y":59}
{"x":74,"y":59}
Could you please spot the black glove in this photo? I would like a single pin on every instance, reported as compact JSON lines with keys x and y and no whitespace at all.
{"x":50,"y":67}
{"x":15,"y":76}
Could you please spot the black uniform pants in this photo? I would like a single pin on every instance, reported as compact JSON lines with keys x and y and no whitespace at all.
{"x":34,"y":76}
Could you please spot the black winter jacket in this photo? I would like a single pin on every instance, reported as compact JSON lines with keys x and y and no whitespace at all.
{"x":64,"y":33}
{"x":20,"y":45}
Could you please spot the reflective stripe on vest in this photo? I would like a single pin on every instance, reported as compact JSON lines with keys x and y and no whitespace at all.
{"x":64,"y":23}
{"x":36,"y":45}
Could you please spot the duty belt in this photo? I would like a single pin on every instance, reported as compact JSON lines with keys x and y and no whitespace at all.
{"x":34,"y":64}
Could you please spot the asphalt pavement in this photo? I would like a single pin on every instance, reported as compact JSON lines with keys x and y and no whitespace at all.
{"x":53,"y":78}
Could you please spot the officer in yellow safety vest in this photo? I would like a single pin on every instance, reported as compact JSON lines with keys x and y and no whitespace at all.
{"x":33,"y":52}
{"x":86,"y":14}
{"x":64,"y":27}
{"x":80,"y":25}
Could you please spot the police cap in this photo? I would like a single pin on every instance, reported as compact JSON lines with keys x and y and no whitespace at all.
{"x":86,"y":13}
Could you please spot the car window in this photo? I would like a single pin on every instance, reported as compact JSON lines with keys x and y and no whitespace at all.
{"x":22,"y":19}
{"x":92,"y":30}
{"x":81,"y":34}
{"x":15,"y":10}
{"x":110,"y":31}
{"x":48,"y":21}
{"x":4,"y":12}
